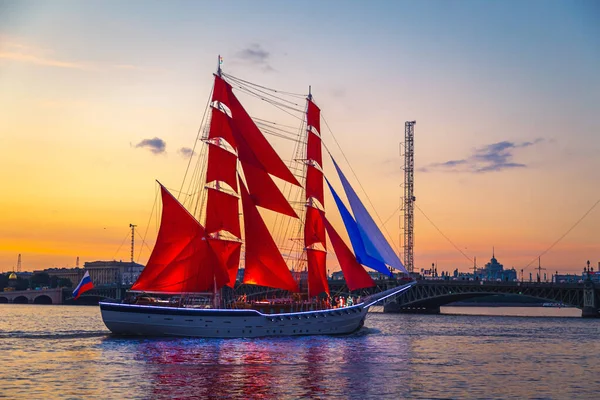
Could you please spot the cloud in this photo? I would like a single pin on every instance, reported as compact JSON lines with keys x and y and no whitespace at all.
{"x":15,"y":50}
{"x":490,"y":158}
{"x":256,"y":55}
{"x":186,"y":152}
{"x":39,"y":60}
{"x":155,"y":145}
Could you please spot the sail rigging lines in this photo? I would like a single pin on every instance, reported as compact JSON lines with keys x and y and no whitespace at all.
{"x":445,"y":237}
{"x":234,"y":78}
{"x":198,"y":136}
{"x":279,"y":104}
{"x":148,"y":224}
{"x":564,"y":234}
{"x":253,"y":90}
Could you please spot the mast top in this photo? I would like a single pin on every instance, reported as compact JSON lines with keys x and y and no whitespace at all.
{"x":309,"y":93}
{"x":219,"y":65}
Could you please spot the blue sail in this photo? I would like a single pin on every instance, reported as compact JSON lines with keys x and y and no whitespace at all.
{"x":356,"y":238}
{"x":376,"y":244}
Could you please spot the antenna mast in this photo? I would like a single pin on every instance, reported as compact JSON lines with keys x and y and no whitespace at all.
{"x":19,"y":263}
{"x":539,"y":268}
{"x":132,"y":239}
{"x":409,"y":197}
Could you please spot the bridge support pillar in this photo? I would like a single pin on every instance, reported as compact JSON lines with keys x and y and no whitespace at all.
{"x":590,"y":312}
{"x":590,"y":302}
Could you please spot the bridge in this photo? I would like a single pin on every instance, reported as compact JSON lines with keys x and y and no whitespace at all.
{"x":42,"y":296}
{"x":427,"y":296}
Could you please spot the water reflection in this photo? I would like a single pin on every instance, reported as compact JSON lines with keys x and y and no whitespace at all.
{"x":269,"y":368}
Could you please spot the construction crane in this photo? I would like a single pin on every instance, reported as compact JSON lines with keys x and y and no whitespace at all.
{"x":409,"y":197}
{"x":132,"y":226}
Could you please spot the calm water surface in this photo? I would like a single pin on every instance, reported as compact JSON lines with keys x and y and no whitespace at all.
{"x":51,"y":352}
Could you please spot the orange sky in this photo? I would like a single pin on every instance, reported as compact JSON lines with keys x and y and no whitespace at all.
{"x":506,"y":140}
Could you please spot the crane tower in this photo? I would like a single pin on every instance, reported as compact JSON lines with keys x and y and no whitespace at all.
{"x":409,"y":197}
{"x":132,"y":226}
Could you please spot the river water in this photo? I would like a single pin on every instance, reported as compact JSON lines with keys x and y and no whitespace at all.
{"x":66,"y":352}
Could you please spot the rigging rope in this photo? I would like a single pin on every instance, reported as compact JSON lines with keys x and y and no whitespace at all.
{"x":197,"y":138}
{"x":148,"y":224}
{"x":442,"y":233}
{"x":565,"y":234}
{"x":262,"y":87}
{"x":125,"y":238}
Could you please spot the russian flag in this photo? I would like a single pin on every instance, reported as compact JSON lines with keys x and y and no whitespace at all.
{"x":85,"y":285}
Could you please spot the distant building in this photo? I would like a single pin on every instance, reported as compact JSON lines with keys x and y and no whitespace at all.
{"x":377,"y":275}
{"x":568,"y":278}
{"x":493,"y":271}
{"x":337,"y":276}
{"x":113,"y":272}
{"x":72,"y":274}
{"x":575,"y":278}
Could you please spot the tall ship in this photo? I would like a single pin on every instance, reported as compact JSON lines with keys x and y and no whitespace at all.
{"x":188,"y":287}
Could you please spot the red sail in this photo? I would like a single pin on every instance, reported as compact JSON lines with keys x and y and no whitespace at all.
{"x":313,"y":148}
{"x":222,"y":213}
{"x":258,"y":149}
{"x":228,"y":255}
{"x":314,"y":230}
{"x":355,"y":275}
{"x":181,"y":260}
{"x":220,"y":91}
{"x":220,"y":127}
{"x":264,"y":192}
{"x":222,"y":166}
{"x":264,"y":264}
{"x":313,"y":116}
{"x":314,"y":184}
{"x":317,"y":274}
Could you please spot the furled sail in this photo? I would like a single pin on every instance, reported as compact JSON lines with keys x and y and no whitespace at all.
{"x":358,"y":244}
{"x":355,"y":275}
{"x":375,"y":242}
{"x":265,"y":265}
{"x":182,"y":260}
{"x":314,"y":228}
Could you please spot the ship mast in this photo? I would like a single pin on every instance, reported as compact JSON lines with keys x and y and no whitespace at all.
{"x":314,"y":227}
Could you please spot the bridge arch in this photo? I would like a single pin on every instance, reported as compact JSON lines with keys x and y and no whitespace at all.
{"x":427,"y":297}
{"x":21,"y":300}
{"x":3,"y":300}
{"x":43,"y":299}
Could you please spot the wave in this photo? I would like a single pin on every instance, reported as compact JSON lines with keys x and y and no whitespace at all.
{"x":52,"y":335}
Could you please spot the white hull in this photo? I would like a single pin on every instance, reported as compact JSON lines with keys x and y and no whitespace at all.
{"x":127,"y":319}
{"x":145,"y":320}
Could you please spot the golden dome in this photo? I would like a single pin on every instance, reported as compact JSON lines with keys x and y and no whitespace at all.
{"x":12,"y":276}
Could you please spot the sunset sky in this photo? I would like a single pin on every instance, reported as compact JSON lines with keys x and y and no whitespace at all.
{"x":506,"y":95}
